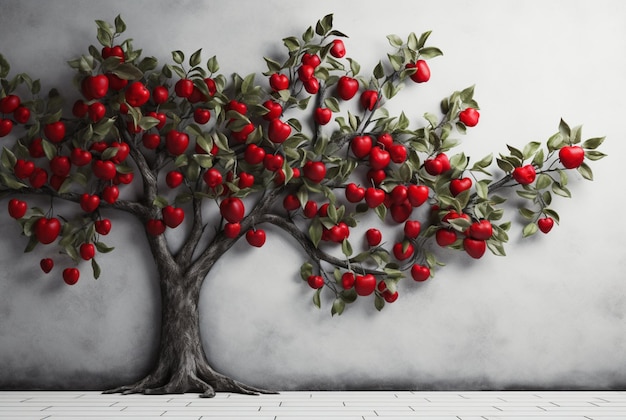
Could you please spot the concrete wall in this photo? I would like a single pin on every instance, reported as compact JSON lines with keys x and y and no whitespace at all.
{"x":549,"y":315}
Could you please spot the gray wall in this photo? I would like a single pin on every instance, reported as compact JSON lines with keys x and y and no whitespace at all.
{"x":551,"y":314}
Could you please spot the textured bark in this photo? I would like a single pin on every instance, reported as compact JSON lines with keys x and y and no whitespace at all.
{"x":181,"y":365}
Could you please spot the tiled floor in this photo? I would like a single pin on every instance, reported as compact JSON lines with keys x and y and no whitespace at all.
{"x":20,"y":405}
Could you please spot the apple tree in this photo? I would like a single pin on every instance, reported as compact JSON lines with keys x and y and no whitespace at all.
{"x":308,"y":147}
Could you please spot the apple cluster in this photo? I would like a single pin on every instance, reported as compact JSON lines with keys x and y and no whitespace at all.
{"x":311,"y":142}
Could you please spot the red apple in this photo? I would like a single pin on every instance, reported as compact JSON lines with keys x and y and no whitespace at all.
{"x":373,"y":237}
{"x":365,"y":284}
{"x":256,"y":237}
{"x":47,"y":230}
{"x":571,"y":156}
{"x":347,"y":87}
{"x":172,"y":216}
{"x":155,"y":227}
{"x":70,"y":276}
{"x":232,"y":230}
{"x":423,"y":71}
{"x":46,"y":264}
{"x":420,"y":272}
{"x":315,"y":171}
{"x":17,"y":208}
{"x":545,"y":224}
{"x":103,"y":226}
{"x":87,"y":251}
{"x":469,"y":117}
{"x":412,"y":229}
{"x":232,"y":209}
{"x":315,"y":282}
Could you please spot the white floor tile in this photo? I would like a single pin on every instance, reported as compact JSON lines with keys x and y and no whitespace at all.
{"x":375,"y":405}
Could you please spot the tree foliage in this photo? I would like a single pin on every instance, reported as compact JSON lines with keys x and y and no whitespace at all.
{"x":308,"y":145}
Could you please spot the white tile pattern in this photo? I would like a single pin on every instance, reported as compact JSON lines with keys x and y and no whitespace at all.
{"x":362,"y":405}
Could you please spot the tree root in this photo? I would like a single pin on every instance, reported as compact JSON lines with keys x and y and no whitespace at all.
{"x":207,"y":384}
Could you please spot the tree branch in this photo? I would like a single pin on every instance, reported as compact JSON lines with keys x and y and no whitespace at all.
{"x":186,"y":252}
{"x":132,"y":207}
{"x":307,"y":245}
{"x":148,"y":177}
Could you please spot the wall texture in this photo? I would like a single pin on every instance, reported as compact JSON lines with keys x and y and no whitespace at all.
{"x":549,"y":315}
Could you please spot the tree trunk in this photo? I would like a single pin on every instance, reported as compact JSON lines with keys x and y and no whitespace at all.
{"x":182,"y":365}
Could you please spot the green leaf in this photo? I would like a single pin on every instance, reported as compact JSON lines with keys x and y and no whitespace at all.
{"x":324,"y":25}
{"x":102,"y":128}
{"x":395,"y":41}
{"x":32,"y":243}
{"x":8,"y":158}
{"x":205,"y":161}
{"x":482,"y":189}
{"x":11,"y":182}
{"x":178,"y":57}
{"x":109,"y":152}
{"x":576,"y":135}
{"x":127,"y":71}
{"x":529,"y":229}
{"x":593,"y":143}
{"x":379,"y":302}
{"x":306,"y":270}
{"x":539,"y":158}
{"x":431,"y":118}
{"x":147,"y":64}
{"x":349,"y":296}
{"x":103,"y":248}
{"x":594,"y":155}
{"x":555,"y":142}
{"x":547,"y":197}
{"x":291,"y":43}
{"x":381,"y":212}
{"x":413,"y":42}
{"x":120,"y":25}
{"x":530,"y":149}
{"x":96,"y":269}
{"x":272,"y":65}
{"x":316,"y":298}
{"x":332,"y":103}
{"x":585,"y":171}
{"x":543,"y":181}
{"x":564,"y":129}
{"x":530,"y":195}
{"x":396,"y":61}
{"x":160,"y":201}
{"x":104,"y":37}
{"x":423,"y":39}
{"x":483,"y":163}
{"x":430,"y":52}
{"x":515,"y":152}
{"x":5,"y":68}
{"x":346,"y":248}
{"x":553,"y":214}
{"x":196,"y":58}
{"x":562,"y":191}
{"x":308,"y":34}
{"x":527,"y":213}
{"x":467,"y":94}
{"x":379,"y":70}
{"x":315,"y":231}
{"x":354,"y":66}
{"x":496,"y":248}
{"x":388,"y":90}
{"x":193,"y":171}
{"x":248,"y":83}
{"x":338,"y":306}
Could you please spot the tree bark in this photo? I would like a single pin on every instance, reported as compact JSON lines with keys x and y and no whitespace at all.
{"x":181,"y":365}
